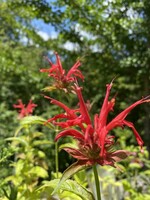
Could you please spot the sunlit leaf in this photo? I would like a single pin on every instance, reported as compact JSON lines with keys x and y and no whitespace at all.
{"x":41,"y":142}
{"x":37,"y":134}
{"x":69,"y":145}
{"x":35,"y":120}
{"x":49,"y":88}
{"x":81,"y":178}
{"x":39,"y":171}
{"x":18,"y":140}
{"x":134,"y":165}
{"x":70,"y":171}
{"x":69,"y":188}
{"x":29,"y":120}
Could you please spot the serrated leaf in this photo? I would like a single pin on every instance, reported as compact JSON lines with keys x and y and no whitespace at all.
{"x":81,"y":178}
{"x":70,"y":171}
{"x":69,"y":188}
{"x":74,"y":187}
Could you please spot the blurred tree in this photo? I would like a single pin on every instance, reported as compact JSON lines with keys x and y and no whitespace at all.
{"x":111,"y":37}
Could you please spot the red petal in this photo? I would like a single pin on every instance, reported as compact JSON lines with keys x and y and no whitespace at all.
{"x":69,"y":111}
{"x":59,"y":64}
{"x":20,"y":105}
{"x":70,"y":132}
{"x":117,"y":121}
{"x":59,"y":116}
{"x":51,"y":64}
{"x":30,"y":107}
{"x":73,"y":69}
{"x":138,"y":138}
{"x":44,"y":70}
{"x":88,"y":135}
{"x":83,"y":108}
{"x":75,"y":153}
{"x":119,"y":155}
{"x":101,"y":141}
{"x":106,"y":107}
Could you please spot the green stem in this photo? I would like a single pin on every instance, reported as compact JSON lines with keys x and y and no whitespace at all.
{"x":56,"y":159}
{"x":97,"y":183}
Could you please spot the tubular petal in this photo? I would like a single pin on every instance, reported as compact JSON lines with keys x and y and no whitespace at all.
{"x":83,"y":108}
{"x":63,"y":106}
{"x":106,"y":107}
{"x":59,"y":63}
{"x":138,"y":138}
{"x":70,"y":132}
{"x":120,"y":117}
{"x":75,"y":153}
{"x":74,"y":68}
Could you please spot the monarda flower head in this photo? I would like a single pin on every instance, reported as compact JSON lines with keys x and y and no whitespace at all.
{"x":95,"y":144}
{"x":23,"y":109}
{"x":62,"y":79}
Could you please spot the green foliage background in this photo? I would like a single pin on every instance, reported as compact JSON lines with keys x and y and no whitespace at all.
{"x":111,"y":38}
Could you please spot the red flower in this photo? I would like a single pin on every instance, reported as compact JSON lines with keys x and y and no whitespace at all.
{"x":62,"y":79}
{"x":94,"y":142}
{"x":25,"y":110}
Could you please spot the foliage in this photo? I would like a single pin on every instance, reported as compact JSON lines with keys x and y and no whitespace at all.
{"x":29,"y":164}
{"x":113,"y":34}
{"x":112,"y":39}
{"x":68,"y":190}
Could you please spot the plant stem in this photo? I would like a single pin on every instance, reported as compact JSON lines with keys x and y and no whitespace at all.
{"x":56,"y":159}
{"x":97,"y":183}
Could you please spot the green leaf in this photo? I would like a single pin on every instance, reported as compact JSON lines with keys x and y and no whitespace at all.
{"x":34,"y":120}
{"x":37,"y":134}
{"x":70,"y":171}
{"x":69,"y":188}
{"x":81,"y":178}
{"x":68,"y":145}
{"x":134,"y":165}
{"x":39,"y":171}
{"x":29,"y":120}
{"x":41,"y":142}
{"x":146,"y":172}
{"x":17,"y":139}
{"x":49,"y":88}
{"x":18,"y":130}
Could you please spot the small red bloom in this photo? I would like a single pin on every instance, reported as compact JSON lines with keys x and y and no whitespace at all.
{"x":94,"y":142}
{"x":63,"y":79}
{"x":25,"y":110}
{"x":72,"y":119}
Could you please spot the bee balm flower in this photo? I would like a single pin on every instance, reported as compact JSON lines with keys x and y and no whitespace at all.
{"x":25,"y":110}
{"x":62,"y":79}
{"x":95,"y":144}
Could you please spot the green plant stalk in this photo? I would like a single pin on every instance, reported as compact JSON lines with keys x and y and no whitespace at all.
{"x":97,"y":183}
{"x":56,"y":159}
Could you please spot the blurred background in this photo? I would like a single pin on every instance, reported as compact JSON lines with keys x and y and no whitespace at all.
{"x":111,"y":37}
